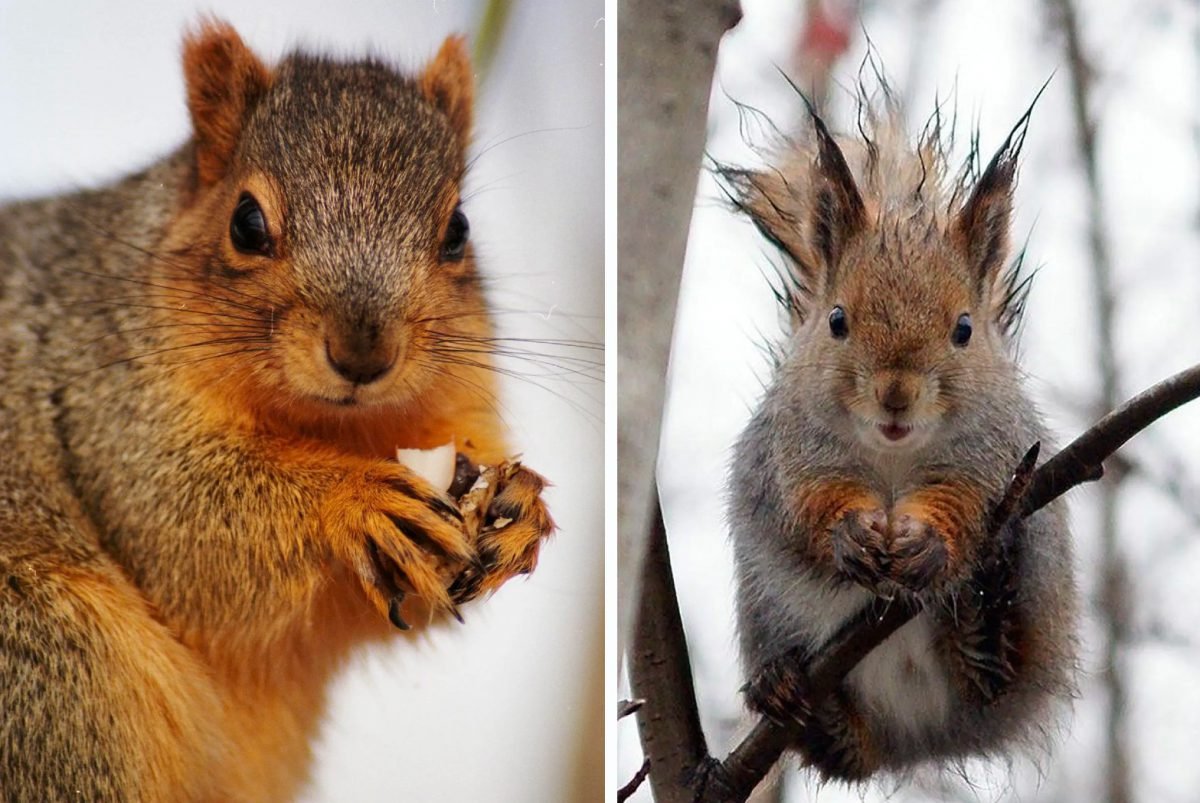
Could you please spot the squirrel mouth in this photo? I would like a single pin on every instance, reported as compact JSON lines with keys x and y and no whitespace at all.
{"x":894,"y":432}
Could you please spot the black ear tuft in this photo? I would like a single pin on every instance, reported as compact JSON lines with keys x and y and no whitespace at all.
{"x":768,"y":200}
{"x":981,"y":227}
{"x":839,"y":212}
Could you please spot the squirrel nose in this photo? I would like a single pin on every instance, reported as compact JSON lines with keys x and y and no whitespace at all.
{"x":897,"y":395}
{"x":359,"y":360}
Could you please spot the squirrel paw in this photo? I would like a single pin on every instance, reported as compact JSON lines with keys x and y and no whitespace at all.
{"x":860,"y":547}
{"x":399,"y":536}
{"x":837,"y":741}
{"x":831,"y":734}
{"x":511,"y":533}
{"x":779,"y":689}
{"x":918,"y":553}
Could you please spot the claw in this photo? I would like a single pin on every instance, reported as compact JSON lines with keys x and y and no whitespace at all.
{"x":457,"y":614}
{"x":394,"y":612}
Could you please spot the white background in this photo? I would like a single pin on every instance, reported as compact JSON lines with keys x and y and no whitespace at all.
{"x":509,"y":707}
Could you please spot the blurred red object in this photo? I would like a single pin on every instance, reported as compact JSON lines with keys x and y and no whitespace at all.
{"x":828,"y":25}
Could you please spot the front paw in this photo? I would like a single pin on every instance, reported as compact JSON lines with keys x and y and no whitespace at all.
{"x":860,"y":547}
{"x":918,"y":553}
{"x":512,"y":521}
{"x":399,"y":536}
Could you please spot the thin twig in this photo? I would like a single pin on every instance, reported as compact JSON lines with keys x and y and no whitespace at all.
{"x":627,"y":707}
{"x":1087,"y":453}
{"x":626,"y":791}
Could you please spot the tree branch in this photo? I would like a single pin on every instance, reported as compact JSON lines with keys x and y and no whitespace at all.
{"x":661,"y":675}
{"x":680,"y":768}
{"x":667,"y":50}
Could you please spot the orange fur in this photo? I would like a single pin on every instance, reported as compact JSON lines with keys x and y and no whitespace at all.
{"x":955,"y":511}
{"x":253,"y":525}
{"x":819,"y":504}
{"x":224,"y":79}
{"x":449,"y":84}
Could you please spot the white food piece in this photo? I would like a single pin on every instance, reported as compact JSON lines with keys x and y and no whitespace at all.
{"x":435,"y":466}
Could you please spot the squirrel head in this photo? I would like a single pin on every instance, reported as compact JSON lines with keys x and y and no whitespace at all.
{"x":901,"y":295}
{"x":323,"y":223}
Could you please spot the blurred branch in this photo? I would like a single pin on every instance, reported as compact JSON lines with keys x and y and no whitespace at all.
{"x":680,"y":765}
{"x":922,"y":25}
{"x":1115,"y":598}
{"x":667,"y":50}
{"x":1166,"y":475}
{"x":489,"y":33}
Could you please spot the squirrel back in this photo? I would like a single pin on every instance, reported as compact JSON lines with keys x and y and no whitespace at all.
{"x":889,"y":429}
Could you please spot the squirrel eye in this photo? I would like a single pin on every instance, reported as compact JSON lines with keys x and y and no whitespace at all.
{"x":455,"y":244}
{"x":962,"y":331}
{"x":248,"y":227}
{"x":839,"y":327}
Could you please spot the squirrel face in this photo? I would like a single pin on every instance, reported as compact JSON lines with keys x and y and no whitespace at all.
{"x":900,"y":339}
{"x":326,"y":219}
{"x":900,"y":303}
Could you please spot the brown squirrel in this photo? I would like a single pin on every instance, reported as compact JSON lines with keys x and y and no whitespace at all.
{"x":208,"y":368}
{"x":890,"y":429}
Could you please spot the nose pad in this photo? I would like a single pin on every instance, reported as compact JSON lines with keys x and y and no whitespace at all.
{"x":897,"y":394}
{"x":359,"y":360}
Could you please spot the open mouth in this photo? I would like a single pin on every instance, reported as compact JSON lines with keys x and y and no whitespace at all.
{"x":894,"y":432}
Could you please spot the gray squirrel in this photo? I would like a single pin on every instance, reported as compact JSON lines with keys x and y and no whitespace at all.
{"x":889,"y":430}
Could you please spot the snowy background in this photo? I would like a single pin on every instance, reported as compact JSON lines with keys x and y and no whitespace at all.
{"x":1146,"y":104}
{"x":509,"y":707}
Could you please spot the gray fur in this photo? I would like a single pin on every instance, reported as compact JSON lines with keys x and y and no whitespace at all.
{"x":898,"y":279}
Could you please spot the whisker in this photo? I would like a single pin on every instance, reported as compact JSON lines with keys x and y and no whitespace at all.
{"x":501,"y":371}
{"x":170,"y":349}
{"x":197,"y":327}
{"x":176,"y":290}
{"x":489,"y":398}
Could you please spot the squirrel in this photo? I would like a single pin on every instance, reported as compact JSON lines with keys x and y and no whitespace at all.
{"x":208,"y":368}
{"x":887,"y":434}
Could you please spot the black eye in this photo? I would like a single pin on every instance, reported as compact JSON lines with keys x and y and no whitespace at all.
{"x":455,"y":244}
{"x":248,"y":227}
{"x":839,"y":327}
{"x":962,"y":331}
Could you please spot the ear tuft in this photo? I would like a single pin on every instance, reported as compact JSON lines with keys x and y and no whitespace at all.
{"x":981,"y":228}
{"x":449,"y":84}
{"x":224,"y":82}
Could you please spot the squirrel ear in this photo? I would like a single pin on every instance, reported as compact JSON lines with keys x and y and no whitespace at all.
{"x":448,"y":83}
{"x":810,"y":220}
{"x":773,"y":205}
{"x":838,"y":211}
{"x":224,"y":81}
{"x":981,"y":228}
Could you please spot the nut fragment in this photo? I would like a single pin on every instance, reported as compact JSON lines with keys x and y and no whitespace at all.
{"x":436,"y":466}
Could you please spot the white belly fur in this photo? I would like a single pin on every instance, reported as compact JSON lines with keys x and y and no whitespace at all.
{"x":900,"y":682}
